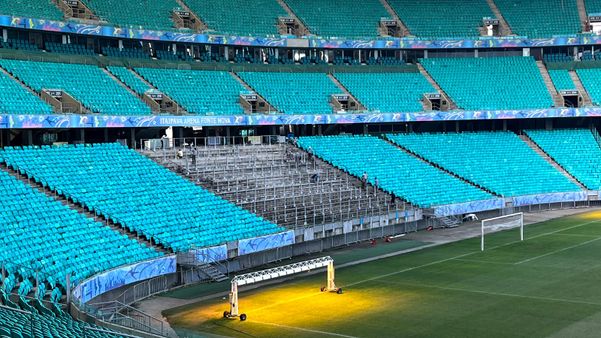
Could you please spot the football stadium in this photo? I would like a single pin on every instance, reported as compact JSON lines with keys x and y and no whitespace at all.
{"x":300,"y":168}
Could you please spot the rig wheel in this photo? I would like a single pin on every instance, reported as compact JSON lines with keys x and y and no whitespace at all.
{"x":243,"y":317}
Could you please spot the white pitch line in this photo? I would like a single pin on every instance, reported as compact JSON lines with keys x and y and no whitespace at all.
{"x":481,"y":261}
{"x":558,"y":251}
{"x":468,"y":254}
{"x":503,"y":294}
{"x":306,"y":330}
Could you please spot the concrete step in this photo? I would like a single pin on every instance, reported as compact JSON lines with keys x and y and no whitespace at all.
{"x":586,"y":98}
{"x":503,"y":25}
{"x":557,"y":100}
{"x":434,"y":84}
{"x":393,"y":14}
{"x":550,"y":160}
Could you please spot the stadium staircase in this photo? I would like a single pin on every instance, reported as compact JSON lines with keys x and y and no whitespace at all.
{"x":270,"y":107}
{"x":215,"y":275}
{"x":293,"y":15}
{"x":504,"y":28}
{"x":81,"y":13}
{"x":424,"y":72}
{"x":277,"y":182}
{"x":550,"y":160}
{"x":202,"y":26}
{"x":582,"y":14}
{"x":586,"y":98}
{"x":557,"y":101}
{"x":395,"y":16}
{"x":154,"y":108}
{"x":346,"y":91}
{"x":78,"y":207}
{"x":423,"y":159}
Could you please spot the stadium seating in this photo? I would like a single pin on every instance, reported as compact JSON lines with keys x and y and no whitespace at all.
{"x":340,"y":18}
{"x":17,"y":100}
{"x":241,"y":17}
{"x":387,"y":92}
{"x":147,"y":14}
{"x":95,"y":89}
{"x":129,"y":53}
{"x":139,"y":194}
{"x":39,"y":9}
{"x":590,"y":80}
{"x":397,"y":172}
{"x":491,"y":83}
{"x":69,"y":48}
{"x":576,"y":150}
{"x":20,"y":324}
{"x":63,"y":241}
{"x":540,"y":19}
{"x":294,"y":93}
{"x":498,"y":161}
{"x":557,"y":57}
{"x":199,"y":92}
{"x":561,"y":79}
{"x":19,"y":44}
{"x":593,"y":6}
{"x":446,"y":18}
{"x":130,"y":79}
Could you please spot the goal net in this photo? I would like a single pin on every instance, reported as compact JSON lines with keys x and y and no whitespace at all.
{"x":502,"y":223}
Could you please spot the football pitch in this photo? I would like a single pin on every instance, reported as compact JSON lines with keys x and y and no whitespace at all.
{"x":546,"y":286}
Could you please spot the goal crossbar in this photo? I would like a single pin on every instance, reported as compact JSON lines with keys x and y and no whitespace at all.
{"x":517,"y":217}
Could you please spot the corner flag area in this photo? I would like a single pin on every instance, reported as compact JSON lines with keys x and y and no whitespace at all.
{"x":545,"y":286}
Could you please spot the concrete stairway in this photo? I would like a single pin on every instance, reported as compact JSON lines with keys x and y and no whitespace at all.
{"x":346,"y":91}
{"x":271,"y":108}
{"x":215,"y":275}
{"x":434,"y":84}
{"x":549,"y":159}
{"x":503,"y":25}
{"x":202,"y":25}
{"x":436,"y":165}
{"x":393,"y":14}
{"x":557,"y":100}
{"x":586,"y":98}
{"x":582,"y":14}
{"x":77,"y":206}
{"x":291,"y":14}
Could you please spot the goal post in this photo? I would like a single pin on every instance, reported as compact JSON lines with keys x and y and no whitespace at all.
{"x":500,"y":223}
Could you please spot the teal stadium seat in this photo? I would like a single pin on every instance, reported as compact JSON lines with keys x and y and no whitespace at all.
{"x":398,"y":173}
{"x":146,"y":14}
{"x":497,"y":161}
{"x":541,"y":18}
{"x":294,"y":93}
{"x":240,"y":17}
{"x":576,"y":150}
{"x":15,"y":324}
{"x":130,"y":79}
{"x":593,"y":6}
{"x":561,"y":79}
{"x":340,"y":18}
{"x":18,"y":100}
{"x":198,"y":91}
{"x":38,"y":9}
{"x":387,"y":92}
{"x":442,"y":18}
{"x":69,"y":48}
{"x":491,"y":83}
{"x":142,"y":196}
{"x":590,"y":80}
{"x":60,"y":242}
{"x":95,"y":89}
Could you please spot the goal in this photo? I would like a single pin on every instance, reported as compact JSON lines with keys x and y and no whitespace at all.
{"x":502,"y":223}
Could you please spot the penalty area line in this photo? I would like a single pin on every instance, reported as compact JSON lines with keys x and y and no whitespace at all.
{"x":558,"y":251}
{"x":305,"y":330}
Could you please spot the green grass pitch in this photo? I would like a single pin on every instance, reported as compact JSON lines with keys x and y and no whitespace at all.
{"x":547,"y":286}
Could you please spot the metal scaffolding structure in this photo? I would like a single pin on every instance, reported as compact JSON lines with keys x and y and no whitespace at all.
{"x":277,"y":181}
